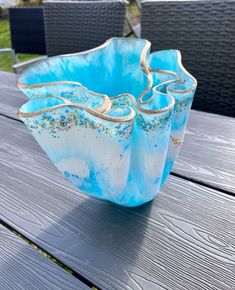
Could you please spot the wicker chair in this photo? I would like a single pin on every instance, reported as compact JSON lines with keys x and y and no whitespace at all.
{"x":73,"y":26}
{"x":204,"y":31}
{"x":27,"y":35}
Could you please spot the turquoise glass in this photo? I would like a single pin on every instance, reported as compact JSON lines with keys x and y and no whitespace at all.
{"x":183,"y":91}
{"x":111,"y":119}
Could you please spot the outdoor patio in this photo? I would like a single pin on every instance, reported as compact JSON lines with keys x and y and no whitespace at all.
{"x":54,"y":235}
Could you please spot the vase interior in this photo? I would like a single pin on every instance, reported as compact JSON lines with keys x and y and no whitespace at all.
{"x":113,"y":70}
{"x":40,"y":104}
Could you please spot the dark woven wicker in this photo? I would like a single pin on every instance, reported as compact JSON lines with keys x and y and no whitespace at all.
{"x":204,"y":31}
{"x":27,"y":30}
{"x":80,"y":25}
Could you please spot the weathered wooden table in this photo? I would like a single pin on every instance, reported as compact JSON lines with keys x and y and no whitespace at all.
{"x":184,"y":239}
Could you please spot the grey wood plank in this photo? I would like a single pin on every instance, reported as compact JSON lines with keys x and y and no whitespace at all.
{"x":207,"y":154}
{"x":208,"y":151}
{"x":182,"y":240}
{"x":22,"y":267}
{"x":11,"y":98}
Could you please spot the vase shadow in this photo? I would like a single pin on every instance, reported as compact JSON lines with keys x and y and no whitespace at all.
{"x":101,"y":241}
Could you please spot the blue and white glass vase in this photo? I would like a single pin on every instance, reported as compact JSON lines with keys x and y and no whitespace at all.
{"x":111,"y":119}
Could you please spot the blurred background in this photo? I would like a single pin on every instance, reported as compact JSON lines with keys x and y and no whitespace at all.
{"x":203,"y":31}
{"x":7,"y":61}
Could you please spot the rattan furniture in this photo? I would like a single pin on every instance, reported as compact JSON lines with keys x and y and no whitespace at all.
{"x":73,"y":26}
{"x":204,"y":31}
{"x":27,"y":35}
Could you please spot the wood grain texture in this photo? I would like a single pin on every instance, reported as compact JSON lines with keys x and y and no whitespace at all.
{"x":22,"y":267}
{"x":182,"y":240}
{"x":208,"y":152}
{"x":11,"y":98}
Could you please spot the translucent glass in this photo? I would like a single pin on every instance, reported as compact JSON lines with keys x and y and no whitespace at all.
{"x":111,"y":119}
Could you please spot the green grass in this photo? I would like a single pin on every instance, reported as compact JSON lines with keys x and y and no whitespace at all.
{"x":6,"y":61}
